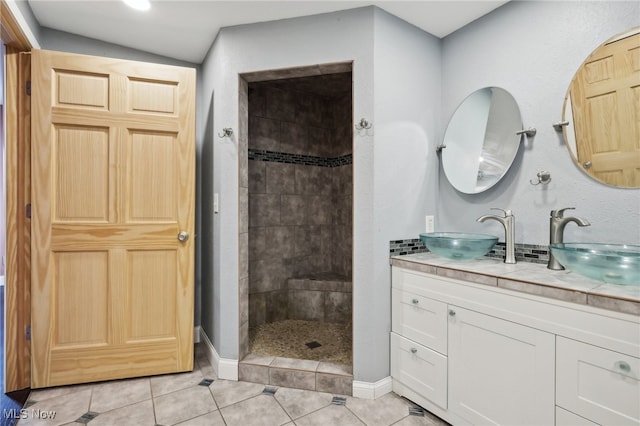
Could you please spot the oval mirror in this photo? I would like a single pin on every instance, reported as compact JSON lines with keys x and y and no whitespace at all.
{"x":481,"y":142}
{"x":601,"y":114}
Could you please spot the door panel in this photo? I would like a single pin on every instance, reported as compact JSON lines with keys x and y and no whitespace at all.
{"x":113,"y":184}
{"x":606,"y":108}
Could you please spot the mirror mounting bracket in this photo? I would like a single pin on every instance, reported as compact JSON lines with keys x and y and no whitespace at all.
{"x":530,"y":132}
{"x":560,"y":124}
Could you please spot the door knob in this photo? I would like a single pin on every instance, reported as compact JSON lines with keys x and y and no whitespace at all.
{"x":183,"y":236}
{"x":586,"y":164}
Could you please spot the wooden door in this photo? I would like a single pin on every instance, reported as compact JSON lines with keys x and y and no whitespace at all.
{"x":113,"y":161}
{"x":605,"y":99}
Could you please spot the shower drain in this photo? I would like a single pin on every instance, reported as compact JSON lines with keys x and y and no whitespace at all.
{"x":313,"y":345}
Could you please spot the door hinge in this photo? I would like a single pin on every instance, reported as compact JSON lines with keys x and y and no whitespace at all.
{"x":27,"y":211}
{"x":27,"y":333}
{"x":28,"y":88}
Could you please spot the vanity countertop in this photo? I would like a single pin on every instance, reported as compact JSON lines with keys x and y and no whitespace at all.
{"x":530,"y":278}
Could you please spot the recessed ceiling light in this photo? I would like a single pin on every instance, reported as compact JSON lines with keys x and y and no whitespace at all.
{"x":138,"y":4}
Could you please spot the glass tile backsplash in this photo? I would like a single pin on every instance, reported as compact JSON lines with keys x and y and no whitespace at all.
{"x":524,"y":252}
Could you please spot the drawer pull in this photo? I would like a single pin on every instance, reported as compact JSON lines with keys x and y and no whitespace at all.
{"x":415,"y":301}
{"x":624,"y":366}
{"x":414,"y":350}
{"x":452,"y":313}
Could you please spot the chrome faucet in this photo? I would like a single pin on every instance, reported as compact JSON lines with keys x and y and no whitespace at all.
{"x":556,"y":232}
{"x":509,"y":223}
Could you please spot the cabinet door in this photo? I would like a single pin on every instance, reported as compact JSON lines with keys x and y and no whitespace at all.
{"x":599,"y":384}
{"x":567,"y":418}
{"x":420,"y":319}
{"x":420,"y":369}
{"x":500,"y":372}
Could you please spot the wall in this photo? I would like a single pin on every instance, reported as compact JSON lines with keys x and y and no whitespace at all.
{"x":533,"y":49}
{"x":393,"y":162}
{"x":404,"y":135}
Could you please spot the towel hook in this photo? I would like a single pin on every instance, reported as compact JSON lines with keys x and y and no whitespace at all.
{"x":544,"y":177}
{"x":363,"y":124}
{"x":226,"y":132}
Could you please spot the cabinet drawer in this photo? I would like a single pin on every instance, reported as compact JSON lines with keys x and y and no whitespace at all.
{"x":420,"y":319}
{"x":598,"y":384}
{"x":422,"y":370}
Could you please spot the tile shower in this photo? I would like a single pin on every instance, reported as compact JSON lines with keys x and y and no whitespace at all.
{"x":300,"y":222}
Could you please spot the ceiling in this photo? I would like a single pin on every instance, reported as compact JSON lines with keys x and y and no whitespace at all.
{"x":184,"y":29}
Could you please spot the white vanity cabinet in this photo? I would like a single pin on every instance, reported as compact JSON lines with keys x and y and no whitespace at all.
{"x":477,"y":354}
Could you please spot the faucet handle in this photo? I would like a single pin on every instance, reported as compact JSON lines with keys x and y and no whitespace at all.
{"x":558,"y":214}
{"x":507,"y":212}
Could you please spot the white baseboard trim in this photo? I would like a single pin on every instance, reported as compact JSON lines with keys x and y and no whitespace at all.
{"x":226,"y":369}
{"x":367,"y":390}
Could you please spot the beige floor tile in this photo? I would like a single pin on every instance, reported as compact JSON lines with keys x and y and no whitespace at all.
{"x":331,"y":415}
{"x":210,"y":419}
{"x":421,"y":421}
{"x":48,"y":393}
{"x":227,"y":392}
{"x":121,"y":393}
{"x":261,"y":410}
{"x":161,"y":385}
{"x":382,"y":411}
{"x":64,"y":409}
{"x":298,"y":403}
{"x":182,"y":405}
{"x":140,"y":414}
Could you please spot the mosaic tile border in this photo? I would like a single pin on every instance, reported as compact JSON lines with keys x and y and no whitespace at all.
{"x":524,"y":252}
{"x":300,"y":159}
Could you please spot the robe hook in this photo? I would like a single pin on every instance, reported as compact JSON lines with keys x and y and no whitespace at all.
{"x":226,"y":132}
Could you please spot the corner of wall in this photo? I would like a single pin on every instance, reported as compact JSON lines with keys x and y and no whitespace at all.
{"x":226,"y":369}
{"x":367,"y":390}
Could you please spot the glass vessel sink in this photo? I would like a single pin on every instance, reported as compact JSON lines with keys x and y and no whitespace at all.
{"x":458,"y":246}
{"x":611,"y":263}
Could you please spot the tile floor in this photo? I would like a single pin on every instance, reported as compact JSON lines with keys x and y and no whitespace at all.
{"x":197,"y":398}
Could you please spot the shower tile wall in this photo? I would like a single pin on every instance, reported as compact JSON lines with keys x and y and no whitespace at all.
{"x":299,"y":205}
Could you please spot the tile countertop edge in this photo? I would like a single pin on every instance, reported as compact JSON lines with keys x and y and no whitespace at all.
{"x":595,"y":294}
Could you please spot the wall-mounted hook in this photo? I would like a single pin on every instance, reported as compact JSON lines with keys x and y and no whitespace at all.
{"x":226,"y":132}
{"x":363,"y":124}
{"x":530,"y":132}
{"x":543,"y":177}
{"x":560,"y":124}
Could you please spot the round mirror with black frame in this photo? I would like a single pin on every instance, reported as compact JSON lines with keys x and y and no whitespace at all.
{"x":481,"y":140}
{"x":601,"y":114}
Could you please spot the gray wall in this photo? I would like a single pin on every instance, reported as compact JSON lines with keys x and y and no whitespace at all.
{"x":533,"y":49}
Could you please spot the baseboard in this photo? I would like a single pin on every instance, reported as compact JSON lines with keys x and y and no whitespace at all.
{"x":226,"y":369}
{"x":367,"y":390}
